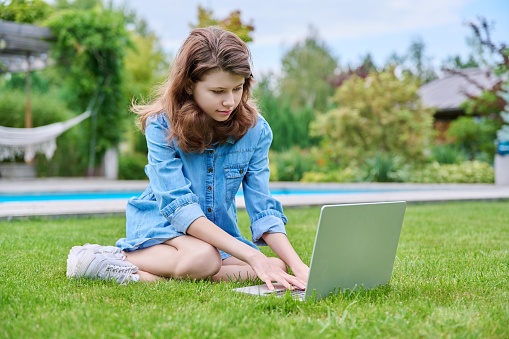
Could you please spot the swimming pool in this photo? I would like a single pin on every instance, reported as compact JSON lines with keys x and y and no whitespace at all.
{"x":107,"y":195}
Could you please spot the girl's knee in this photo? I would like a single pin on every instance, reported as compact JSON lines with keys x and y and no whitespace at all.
{"x":200,"y":262}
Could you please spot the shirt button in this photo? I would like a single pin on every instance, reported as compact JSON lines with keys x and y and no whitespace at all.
{"x":241,"y":171}
{"x":211,"y":170}
{"x":209,"y":188}
{"x":209,"y":209}
{"x":211,"y":152}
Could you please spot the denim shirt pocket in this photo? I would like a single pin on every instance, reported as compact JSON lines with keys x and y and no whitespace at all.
{"x":234,"y":175}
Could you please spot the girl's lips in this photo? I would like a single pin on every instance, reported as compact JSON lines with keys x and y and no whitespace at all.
{"x":225,"y":112}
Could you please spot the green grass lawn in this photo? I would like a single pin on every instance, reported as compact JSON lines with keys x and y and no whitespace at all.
{"x":450,"y":280}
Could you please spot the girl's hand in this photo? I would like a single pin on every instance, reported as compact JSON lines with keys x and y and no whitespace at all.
{"x":265,"y":269}
{"x":268,"y":272}
{"x":282,"y":247}
{"x":301,"y":271}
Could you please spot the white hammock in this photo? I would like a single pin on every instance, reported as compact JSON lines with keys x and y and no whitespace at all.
{"x":29,"y":141}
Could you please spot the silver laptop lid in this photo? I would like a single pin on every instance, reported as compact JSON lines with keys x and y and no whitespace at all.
{"x":355,"y":246}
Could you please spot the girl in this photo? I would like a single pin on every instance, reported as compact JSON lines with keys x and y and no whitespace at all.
{"x":204,"y":138}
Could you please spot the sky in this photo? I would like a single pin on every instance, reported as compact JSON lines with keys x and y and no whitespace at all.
{"x":350,"y":28}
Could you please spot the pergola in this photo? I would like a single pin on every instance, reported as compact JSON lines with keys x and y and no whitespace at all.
{"x":23,"y":48}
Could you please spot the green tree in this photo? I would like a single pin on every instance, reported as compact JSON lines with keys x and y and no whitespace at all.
{"x":307,"y":70}
{"x":477,"y":136}
{"x":231,"y":23}
{"x":457,"y":62}
{"x":90,"y":48}
{"x":381,"y":114}
{"x":367,"y":66}
{"x":84,"y":5}
{"x":414,"y":62}
{"x":146,"y":65}
{"x":25,"y":11}
{"x":290,"y":127}
{"x":489,"y":103}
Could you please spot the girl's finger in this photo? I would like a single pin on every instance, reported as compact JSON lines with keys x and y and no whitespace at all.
{"x":269,"y":284}
{"x":297,"y":282}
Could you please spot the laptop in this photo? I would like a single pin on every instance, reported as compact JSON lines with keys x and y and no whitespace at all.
{"x":355,"y":247}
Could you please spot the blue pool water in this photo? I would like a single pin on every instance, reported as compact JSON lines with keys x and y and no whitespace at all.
{"x":51,"y":196}
{"x":59,"y":196}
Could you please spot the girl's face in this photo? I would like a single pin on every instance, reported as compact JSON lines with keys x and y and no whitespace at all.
{"x":218,"y":94}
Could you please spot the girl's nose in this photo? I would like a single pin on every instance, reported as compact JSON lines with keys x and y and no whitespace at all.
{"x":228,"y":100}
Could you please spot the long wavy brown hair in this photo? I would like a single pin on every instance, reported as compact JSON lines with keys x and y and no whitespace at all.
{"x":204,"y":51}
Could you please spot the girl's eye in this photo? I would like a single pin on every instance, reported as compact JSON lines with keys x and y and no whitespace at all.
{"x":236,"y":89}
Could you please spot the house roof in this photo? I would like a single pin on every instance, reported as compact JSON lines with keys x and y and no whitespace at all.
{"x":449,"y":92}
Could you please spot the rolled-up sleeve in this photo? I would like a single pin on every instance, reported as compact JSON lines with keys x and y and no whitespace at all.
{"x":269,"y":221}
{"x":265,"y":212}
{"x":172,"y":190}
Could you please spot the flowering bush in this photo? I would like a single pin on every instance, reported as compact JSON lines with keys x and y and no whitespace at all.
{"x":348,"y":174}
{"x":465,"y":172}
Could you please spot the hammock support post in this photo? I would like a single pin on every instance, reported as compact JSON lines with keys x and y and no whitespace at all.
{"x":28,"y":107}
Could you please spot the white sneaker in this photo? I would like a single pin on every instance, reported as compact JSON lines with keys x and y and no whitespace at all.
{"x":85,"y":263}
{"x":102,"y":249}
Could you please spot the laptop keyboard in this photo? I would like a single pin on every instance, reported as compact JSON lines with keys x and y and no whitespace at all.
{"x":297,"y":293}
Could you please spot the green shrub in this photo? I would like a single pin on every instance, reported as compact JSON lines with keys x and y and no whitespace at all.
{"x":382,"y":168}
{"x":290,"y":165}
{"x":349,"y":174}
{"x":379,"y":114}
{"x":448,"y":154}
{"x":46,"y":109}
{"x":476,"y":136}
{"x":132,"y":166}
{"x":69,"y":158}
{"x":290,"y":127}
{"x":465,"y":172}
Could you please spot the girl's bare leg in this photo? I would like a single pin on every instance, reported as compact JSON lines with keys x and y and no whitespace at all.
{"x":237,"y":270}
{"x":178,"y":258}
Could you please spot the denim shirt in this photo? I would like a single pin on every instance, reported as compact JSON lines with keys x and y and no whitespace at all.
{"x":185,"y":186}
